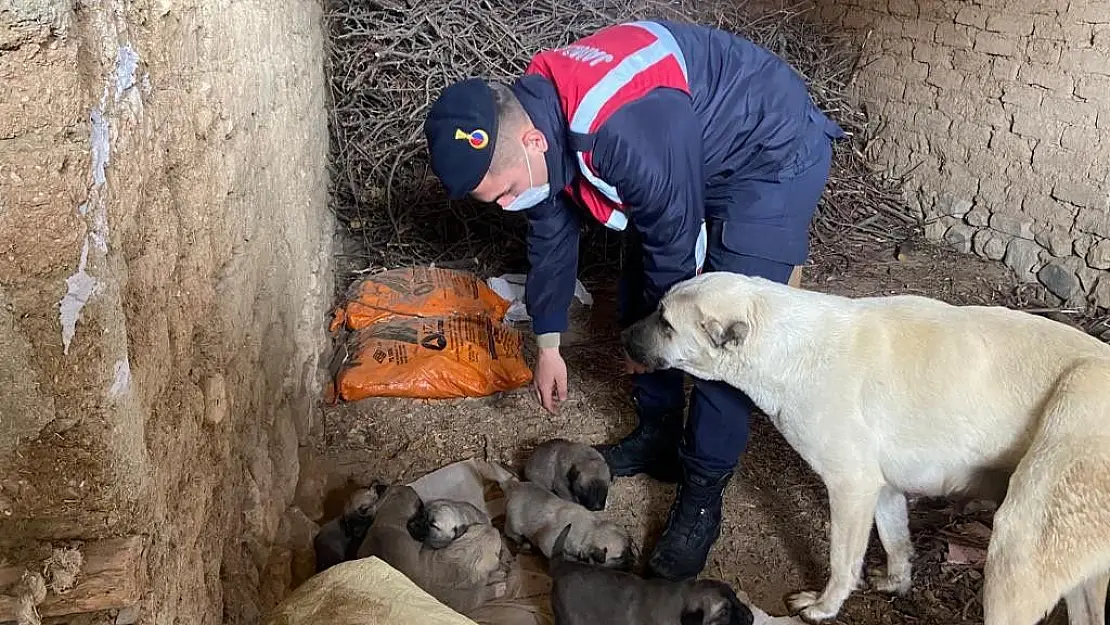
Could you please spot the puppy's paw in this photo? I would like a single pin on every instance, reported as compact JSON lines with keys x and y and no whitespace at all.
{"x":881,"y":580}
{"x":808,"y":605}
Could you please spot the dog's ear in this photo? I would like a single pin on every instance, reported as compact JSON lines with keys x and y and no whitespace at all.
{"x":572,"y":478}
{"x":419,"y":524}
{"x":725,"y":334}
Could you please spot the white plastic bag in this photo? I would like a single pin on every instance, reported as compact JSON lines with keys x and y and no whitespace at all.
{"x":511,"y":287}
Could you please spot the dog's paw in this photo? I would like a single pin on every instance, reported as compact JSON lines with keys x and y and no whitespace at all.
{"x":807,"y":605}
{"x":881,"y":580}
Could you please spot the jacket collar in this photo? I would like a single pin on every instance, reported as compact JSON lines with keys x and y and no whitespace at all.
{"x":540,"y":100}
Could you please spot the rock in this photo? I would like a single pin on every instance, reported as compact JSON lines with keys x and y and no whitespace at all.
{"x":1098,"y":256}
{"x":1087,"y":276}
{"x":128,"y":615}
{"x":1083,"y":243}
{"x":989,"y":244}
{"x":1014,"y":225}
{"x":1022,"y":256}
{"x":1058,"y":241}
{"x":979,"y":217}
{"x":959,"y":237}
{"x":1100,"y":296}
{"x":950,"y":206}
{"x":935,"y":229}
{"x":1060,"y":281}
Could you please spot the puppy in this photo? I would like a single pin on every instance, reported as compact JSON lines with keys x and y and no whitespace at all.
{"x":573,"y":471}
{"x":535,"y":513}
{"x":584,"y":594}
{"x":338,"y":539}
{"x":441,"y":521}
{"x":884,"y":396}
{"x":466,"y":573}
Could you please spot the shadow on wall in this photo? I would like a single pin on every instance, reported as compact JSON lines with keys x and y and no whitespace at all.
{"x":165,"y":271}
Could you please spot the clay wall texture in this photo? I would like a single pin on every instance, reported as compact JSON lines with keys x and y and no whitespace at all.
{"x":999,"y":112}
{"x":165,"y":270}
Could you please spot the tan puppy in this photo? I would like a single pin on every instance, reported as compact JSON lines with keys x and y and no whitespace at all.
{"x":535,"y":513}
{"x":573,"y":471}
{"x":439,"y":522}
{"x":464,"y":574}
{"x":891,"y":395}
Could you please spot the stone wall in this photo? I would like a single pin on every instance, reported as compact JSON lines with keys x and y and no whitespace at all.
{"x":165,"y":269}
{"x":999,"y":112}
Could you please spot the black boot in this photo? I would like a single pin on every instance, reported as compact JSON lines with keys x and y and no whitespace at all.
{"x":693,"y":525}
{"x":651,"y":448}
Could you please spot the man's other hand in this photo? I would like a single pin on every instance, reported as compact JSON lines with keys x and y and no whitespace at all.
{"x":550,"y":379}
{"x":633,"y":367}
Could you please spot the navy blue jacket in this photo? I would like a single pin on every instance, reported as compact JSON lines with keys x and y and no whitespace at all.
{"x":675,"y":160}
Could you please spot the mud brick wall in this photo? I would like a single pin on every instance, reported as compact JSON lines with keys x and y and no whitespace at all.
{"x":165,"y":272}
{"x":999,"y":112}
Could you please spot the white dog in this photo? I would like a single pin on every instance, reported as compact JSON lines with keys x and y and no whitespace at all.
{"x":885,"y":396}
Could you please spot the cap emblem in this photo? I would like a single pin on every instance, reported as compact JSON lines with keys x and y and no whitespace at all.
{"x":477,"y":138}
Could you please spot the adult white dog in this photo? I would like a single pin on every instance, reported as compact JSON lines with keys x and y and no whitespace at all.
{"x":885,"y":396}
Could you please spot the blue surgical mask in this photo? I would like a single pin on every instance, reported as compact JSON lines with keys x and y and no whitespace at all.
{"x":533,"y":195}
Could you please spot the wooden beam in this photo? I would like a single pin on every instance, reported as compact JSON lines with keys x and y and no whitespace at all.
{"x":112,"y":578}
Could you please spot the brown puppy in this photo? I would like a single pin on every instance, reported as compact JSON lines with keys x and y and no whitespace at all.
{"x":584,"y":594}
{"x":573,"y":471}
{"x":469,"y":571}
{"x":338,"y":539}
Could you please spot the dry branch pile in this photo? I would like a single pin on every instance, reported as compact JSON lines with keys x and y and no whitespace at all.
{"x":390,"y":58}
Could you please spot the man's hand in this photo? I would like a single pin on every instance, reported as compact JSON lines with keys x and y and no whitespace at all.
{"x":632,"y":367}
{"x":550,"y":378}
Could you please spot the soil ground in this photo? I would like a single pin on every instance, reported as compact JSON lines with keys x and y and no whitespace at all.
{"x":773,"y":539}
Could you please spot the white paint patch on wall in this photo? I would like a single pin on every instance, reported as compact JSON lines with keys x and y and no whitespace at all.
{"x":82,"y":286}
{"x":121,"y":380}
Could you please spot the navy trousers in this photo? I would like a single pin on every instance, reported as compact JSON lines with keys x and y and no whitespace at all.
{"x":716,"y":431}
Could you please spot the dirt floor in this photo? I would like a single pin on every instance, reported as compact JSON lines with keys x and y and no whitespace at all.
{"x":774,"y":536}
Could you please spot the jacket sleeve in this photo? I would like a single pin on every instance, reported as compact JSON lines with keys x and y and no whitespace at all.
{"x":651,"y":152}
{"x":553,"y":259}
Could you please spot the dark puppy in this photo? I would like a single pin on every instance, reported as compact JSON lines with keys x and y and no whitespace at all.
{"x":584,"y":594}
{"x":573,"y":471}
{"x":338,"y":539}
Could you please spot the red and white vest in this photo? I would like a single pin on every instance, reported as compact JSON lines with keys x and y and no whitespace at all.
{"x":594,"y":77}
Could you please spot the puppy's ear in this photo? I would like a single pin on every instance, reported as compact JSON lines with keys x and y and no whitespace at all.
{"x":725,"y":334}
{"x":572,"y":478}
{"x":420,"y":524}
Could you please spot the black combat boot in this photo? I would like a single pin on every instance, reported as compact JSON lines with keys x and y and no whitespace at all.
{"x":651,"y":448}
{"x":693,"y":525}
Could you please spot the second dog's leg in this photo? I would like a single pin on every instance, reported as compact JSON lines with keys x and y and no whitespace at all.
{"x":1087,"y":603}
{"x":893,"y":524}
{"x":851,"y":508}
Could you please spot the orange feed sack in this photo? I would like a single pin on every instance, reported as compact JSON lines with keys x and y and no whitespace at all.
{"x":417,"y":292}
{"x":438,"y":358}
{"x":428,"y":334}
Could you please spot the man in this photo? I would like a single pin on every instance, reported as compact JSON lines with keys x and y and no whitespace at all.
{"x":711,"y":149}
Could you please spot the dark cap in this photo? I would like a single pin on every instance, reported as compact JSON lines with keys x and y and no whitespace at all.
{"x":461,"y":129}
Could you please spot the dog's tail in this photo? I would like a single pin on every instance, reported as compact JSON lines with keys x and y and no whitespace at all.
{"x":1051,"y":536}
